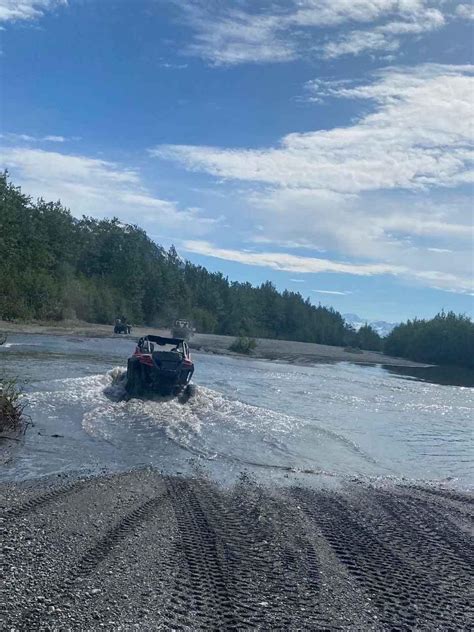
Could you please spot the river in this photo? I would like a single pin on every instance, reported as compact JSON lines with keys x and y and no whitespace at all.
{"x":275,"y":421}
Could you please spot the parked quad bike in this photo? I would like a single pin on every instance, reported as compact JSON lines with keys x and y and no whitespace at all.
{"x":122,"y":328}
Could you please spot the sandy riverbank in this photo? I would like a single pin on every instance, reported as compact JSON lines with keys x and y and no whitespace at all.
{"x":142,"y":551}
{"x":281,"y":350}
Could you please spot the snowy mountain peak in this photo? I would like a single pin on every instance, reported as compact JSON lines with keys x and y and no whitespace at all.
{"x":381,"y":326}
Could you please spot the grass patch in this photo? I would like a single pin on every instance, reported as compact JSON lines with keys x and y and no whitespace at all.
{"x":244,"y":345}
{"x":13,"y":420}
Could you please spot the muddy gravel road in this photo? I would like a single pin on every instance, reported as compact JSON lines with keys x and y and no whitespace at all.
{"x":142,"y":551}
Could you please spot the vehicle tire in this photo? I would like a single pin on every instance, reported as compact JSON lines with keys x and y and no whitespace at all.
{"x":134,"y":381}
{"x":115,"y":329}
{"x":190,"y":390}
{"x":187,"y":393}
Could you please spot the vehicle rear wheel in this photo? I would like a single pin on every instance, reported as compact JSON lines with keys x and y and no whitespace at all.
{"x":134,"y":382}
{"x":187,"y":393}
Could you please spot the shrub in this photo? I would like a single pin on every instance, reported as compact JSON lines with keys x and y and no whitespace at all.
{"x":243,"y":344}
{"x":353,"y":350}
{"x":12,"y":417}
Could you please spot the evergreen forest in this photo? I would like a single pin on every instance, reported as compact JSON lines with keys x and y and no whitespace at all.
{"x":54,"y":266}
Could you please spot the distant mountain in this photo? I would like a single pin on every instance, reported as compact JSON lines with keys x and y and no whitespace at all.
{"x":381,"y":326}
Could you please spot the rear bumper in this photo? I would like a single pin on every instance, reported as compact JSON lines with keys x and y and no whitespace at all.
{"x":162,"y":380}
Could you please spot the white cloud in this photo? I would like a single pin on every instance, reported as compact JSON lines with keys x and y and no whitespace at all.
{"x":12,"y":10}
{"x":419,"y":135}
{"x":336,"y":12}
{"x":369,"y":227}
{"x":385,"y":37}
{"x":334,"y":292}
{"x":358,"y":42}
{"x":372,"y":191}
{"x":294,"y":263}
{"x":55,"y":139}
{"x":171,"y":66}
{"x":235,"y":37}
{"x":289,"y":262}
{"x":99,"y":188}
{"x":280,"y":31}
{"x":35,"y":139}
{"x":465,"y":11}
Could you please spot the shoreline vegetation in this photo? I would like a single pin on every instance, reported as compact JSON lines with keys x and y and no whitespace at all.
{"x":447,"y":339}
{"x":56,"y":268}
{"x":13,"y":420}
{"x":243,"y":345}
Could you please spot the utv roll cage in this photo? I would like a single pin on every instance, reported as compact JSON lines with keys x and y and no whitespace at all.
{"x":146,"y":343}
{"x":163,"y":340}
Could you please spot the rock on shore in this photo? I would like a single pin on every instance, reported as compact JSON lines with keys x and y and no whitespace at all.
{"x":146,"y":552}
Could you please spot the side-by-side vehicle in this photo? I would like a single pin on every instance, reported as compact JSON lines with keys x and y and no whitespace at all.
{"x":160,"y":365}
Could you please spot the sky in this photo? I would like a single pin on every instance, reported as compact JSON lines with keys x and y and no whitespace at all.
{"x":325,"y":145}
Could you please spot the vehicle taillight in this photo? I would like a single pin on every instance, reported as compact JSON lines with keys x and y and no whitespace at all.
{"x":187,"y":363}
{"x":146,"y":360}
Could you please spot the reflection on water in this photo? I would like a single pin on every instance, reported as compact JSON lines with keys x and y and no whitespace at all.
{"x":335,"y":421}
{"x":445,"y":375}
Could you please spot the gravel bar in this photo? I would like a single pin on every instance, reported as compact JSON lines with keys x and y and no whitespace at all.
{"x":300,"y":353}
{"x":142,"y":551}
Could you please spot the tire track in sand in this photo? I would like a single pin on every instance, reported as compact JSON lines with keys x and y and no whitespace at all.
{"x":382,"y":561}
{"x":92,"y":559}
{"x":257,"y":580}
{"x":37,"y":502}
{"x":199,"y":597}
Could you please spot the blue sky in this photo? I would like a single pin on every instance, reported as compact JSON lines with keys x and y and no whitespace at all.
{"x":321,"y":144}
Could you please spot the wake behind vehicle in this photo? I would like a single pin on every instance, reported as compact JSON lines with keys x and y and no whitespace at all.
{"x":164,"y":370}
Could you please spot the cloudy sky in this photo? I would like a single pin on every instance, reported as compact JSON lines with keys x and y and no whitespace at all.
{"x":323,"y":144}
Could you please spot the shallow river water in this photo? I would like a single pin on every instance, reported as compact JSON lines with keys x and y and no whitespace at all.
{"x":328,"y":421}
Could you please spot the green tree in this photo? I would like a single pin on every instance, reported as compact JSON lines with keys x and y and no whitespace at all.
{"x":368,"y":338}
{"x":445,"y":339}
{"x":54,"y":266}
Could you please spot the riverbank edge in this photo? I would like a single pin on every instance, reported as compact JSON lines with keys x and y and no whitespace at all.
{"x":299,"y":353}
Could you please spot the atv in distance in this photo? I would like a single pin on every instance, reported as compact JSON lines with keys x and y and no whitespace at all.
{"x":122,"y":327}
{"x":182,"y":329}
{"x":166,"y":371}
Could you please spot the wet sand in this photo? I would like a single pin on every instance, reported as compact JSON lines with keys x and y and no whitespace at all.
{"x":304,"y":353}
{"x":140,"y":551}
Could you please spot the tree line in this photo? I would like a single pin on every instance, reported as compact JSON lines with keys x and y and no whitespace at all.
{"x":445,"y":339}
{"x":54,"y":266}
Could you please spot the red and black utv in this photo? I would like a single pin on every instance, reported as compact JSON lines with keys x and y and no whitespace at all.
{"x":160,"y":366}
